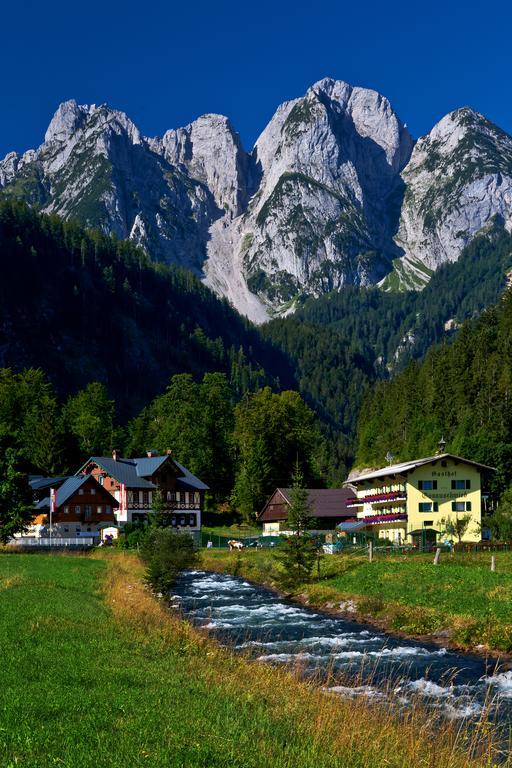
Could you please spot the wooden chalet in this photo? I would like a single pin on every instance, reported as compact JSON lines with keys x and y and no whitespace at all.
{"x":82,"y":507}
{"x":134,"y":483}
{"x":328,"y":507}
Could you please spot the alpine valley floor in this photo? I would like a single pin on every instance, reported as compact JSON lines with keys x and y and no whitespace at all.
{"x":97,"y":672}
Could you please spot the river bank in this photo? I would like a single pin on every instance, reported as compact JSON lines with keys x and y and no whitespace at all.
{"x":459,"y":603}
{"x":152,"y":690}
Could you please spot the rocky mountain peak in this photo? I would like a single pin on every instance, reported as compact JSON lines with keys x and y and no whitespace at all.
{"x":68,"y":118}
{"x":334,"y":192}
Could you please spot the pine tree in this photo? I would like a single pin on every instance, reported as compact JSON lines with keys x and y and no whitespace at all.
{"x":298,"y":552}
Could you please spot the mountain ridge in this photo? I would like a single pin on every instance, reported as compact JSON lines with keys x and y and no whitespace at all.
{"x":335,"y":192}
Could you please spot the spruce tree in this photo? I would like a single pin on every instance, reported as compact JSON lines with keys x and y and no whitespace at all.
{"x":298,"y":552}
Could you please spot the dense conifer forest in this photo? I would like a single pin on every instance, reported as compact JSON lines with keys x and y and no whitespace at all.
{"x":462,"y":391}
{"x":90,"y":325}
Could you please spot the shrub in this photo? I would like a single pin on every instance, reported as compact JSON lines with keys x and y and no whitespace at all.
{"x":166,"y":553}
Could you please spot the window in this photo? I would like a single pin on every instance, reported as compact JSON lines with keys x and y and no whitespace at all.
{"x":101,"y":479}
{"x":461,"y":485}
{"x":461,"y":506}
{"x":66,"y":530}
{"x":77,"y":509}
{"x":428,"y":522}
{"x":80,"y":491}
{"x":99,"y":510}
{"x":428,"y":506}
{"x":88,"y":511}
{"x":427,"y":485}
{"x":145,"y":497}
{"x":197,"y":498}
{"x":192,"y":520}
{"x":171,"y":496}
{"x":108,"y":510}
{"x":93,"y":491}
{"x":66,"y":510}
{"x":182,"y":520}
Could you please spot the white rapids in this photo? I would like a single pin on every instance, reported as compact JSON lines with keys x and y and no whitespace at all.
{"x":361,"y":661}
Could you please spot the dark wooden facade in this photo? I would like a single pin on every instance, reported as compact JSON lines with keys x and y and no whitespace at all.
{"x":82,"y":506}
{"x":328,"y":507}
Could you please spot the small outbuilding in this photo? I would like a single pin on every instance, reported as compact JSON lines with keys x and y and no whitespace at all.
{"x":328,"y":507}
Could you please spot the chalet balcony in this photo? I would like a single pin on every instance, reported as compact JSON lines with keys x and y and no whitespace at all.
{"x":170,"y":506}
{"x":378,"y":498}
{"x":397,"y":517}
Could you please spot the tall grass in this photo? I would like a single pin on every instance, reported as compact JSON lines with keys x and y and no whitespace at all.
{"x":97,"y":672}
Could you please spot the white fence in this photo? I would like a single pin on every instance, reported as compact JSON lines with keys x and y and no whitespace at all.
{"x":56,"y":542}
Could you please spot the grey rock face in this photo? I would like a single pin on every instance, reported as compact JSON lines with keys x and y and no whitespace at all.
{"x":458,"y":179}
{"x":322,"y":215}
{"x":333,"y":193}
{"x":96,"y":167}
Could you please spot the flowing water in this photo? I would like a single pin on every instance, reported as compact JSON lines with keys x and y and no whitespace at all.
{"x":353,"y":659}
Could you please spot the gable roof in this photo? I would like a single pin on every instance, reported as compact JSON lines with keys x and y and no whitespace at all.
{"x":189,"y":480}
{"x":324,"y":503}
{"x":133,"y":472}
{"x":123,"y":470}
{"x":68,"y":488}
{"x":407,"y":466}
{"x":148,"y":465}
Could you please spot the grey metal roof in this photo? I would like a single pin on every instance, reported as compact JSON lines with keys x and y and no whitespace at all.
{"x":123,"y":470}
{"x":349,"y":527}
{"x":132,"y":472}
{"x":190,"y":480}
{"x":148,"y":466}
{"x":66,"y":490}
{"x":40,"y":483}
{"x":406,"y":466}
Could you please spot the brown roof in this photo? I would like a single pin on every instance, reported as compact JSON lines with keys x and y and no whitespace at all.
{"x":324,"y":503}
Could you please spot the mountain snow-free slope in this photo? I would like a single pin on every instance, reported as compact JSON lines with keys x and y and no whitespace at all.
{"x":334,"y":192}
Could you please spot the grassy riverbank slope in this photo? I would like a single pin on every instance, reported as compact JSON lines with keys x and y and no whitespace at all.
{"x":460,"y":599}
{"x":96,"y":672}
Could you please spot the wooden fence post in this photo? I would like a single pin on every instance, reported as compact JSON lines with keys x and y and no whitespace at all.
{"x":436,"y":558}
{"x":370,"y":551}
{"x":493,"y":562}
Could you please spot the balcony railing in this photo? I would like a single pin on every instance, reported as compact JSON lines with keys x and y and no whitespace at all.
{"x":391,"y":518}
{"x":169,"y":505}
{"x":377,"y":498}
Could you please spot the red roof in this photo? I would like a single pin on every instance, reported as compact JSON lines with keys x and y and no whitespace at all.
{"x":324,"y":503}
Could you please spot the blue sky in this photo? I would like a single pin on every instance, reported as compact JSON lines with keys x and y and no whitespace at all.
{"x":165,"y":63}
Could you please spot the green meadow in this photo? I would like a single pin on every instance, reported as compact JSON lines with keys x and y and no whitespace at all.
{"x":96,"y":672}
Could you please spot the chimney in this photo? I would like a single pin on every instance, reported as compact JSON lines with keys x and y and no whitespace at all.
{"x":116,"y":454}
{"x":151,"y":454}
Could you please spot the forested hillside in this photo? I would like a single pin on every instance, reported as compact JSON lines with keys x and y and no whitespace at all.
{"x":343,"y":342}
{"x":242,"y":448}
{"x":86,"y":307}
{"x":461,"y":390}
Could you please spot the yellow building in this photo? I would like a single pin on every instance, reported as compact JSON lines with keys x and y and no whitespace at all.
{"x":406,"y":502}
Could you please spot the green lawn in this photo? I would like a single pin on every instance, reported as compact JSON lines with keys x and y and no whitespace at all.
{"x":460,"y":595}
{"x":95,"y":672}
